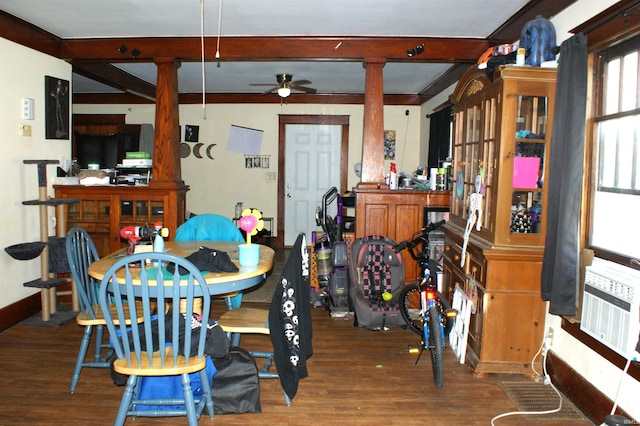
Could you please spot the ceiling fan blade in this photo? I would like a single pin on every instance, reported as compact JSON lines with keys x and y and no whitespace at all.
{"x":303,"y":88}
{"x":261,"y":84}
{"x":301,"y":82}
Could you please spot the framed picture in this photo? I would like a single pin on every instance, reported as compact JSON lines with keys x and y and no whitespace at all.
{"x":389,"y":144}
{"x":191,"y":133}
{"x":56,"y":108}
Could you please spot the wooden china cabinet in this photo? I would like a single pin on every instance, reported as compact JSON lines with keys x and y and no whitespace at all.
{"x":501,"y":139}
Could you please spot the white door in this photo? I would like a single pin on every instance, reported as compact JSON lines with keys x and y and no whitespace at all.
{"x":312,"y":166}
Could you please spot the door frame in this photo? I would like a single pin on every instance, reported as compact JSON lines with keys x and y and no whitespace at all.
{"x":283,"y":120}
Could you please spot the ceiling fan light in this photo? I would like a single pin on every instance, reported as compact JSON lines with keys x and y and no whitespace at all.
{"x":284,"y":91}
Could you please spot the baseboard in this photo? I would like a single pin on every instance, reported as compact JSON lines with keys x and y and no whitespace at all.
{"x":582,"y":393}
{"x":19,"y":311}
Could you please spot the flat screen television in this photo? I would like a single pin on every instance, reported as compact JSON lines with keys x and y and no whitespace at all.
{"x":105,"y":150}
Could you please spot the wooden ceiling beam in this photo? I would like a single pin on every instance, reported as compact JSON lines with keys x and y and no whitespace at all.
{"x":439,"y":50}
{"x":110,"y":75}
{"x":29,"y":35}
{"x":80,"y":52}
{"x":511,"y":30}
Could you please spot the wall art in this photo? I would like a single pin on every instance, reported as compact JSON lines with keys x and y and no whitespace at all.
{"x":56,"y":108}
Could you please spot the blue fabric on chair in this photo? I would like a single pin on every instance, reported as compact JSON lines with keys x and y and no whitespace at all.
{"x":81,"y":253}
{"x":209,"y":227}
{"x":174,"y":344}
{"x":170,"y":387}
{"x":212,"y":227}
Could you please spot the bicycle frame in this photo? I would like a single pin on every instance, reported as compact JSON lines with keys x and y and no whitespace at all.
{"x":428,"y":299}
{"x":435,"y":317}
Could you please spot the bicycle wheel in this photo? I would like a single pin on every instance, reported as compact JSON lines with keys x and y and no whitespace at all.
{"x":435,"y":347}
{"x":409,"y":299}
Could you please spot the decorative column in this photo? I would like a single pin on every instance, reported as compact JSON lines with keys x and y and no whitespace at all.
{"x":373,"y":134}
{"x":166,"y":144}
{"x":167,"y":172}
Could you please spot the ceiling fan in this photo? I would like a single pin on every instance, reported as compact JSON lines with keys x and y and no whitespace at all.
{"x":286,"y":85}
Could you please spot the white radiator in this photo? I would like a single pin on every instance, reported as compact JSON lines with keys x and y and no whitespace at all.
{"x":611,"y":306}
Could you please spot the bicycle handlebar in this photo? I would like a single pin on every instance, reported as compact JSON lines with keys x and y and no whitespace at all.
{"x":423,"y":237}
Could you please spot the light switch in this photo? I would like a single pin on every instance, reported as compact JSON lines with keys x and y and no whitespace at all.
{"x":27,"y":108}
{"x":25,"y":130}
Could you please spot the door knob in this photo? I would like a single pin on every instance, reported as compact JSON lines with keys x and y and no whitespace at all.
{"x":288,"y":195}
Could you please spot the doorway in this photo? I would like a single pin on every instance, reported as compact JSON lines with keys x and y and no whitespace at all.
{"x":284,"y":164}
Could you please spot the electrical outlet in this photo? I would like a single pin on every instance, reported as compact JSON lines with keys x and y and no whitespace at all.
{"x":548,"y":341}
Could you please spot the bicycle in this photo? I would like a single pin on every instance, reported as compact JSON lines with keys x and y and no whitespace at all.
{"x":425,"y":310}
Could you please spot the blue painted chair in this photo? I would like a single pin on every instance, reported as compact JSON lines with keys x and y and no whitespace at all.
{"x":81,"y":253}
{"x":212,"y":227}
{"x":173,"y":351}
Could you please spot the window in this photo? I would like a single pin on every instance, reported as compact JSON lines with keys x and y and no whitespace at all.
{"x":615,"y":195}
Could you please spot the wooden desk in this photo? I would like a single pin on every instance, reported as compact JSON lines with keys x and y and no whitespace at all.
{"x":218,"y":282}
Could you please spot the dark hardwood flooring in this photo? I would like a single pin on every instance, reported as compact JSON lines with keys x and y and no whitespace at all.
{"x":356,"y":377}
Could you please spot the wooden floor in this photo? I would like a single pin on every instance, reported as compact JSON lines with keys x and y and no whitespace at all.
{"x":356,"y":377}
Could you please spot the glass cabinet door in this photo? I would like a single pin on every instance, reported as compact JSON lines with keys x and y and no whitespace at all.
{"x":142,"y":212}
{"x":487,"y":164}
{"x":528,"y":164}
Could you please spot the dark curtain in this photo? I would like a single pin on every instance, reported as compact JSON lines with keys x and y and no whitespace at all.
{"x":439,"y":136}
{"x":560,"y":268}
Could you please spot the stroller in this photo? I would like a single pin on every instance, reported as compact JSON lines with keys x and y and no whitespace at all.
{"x":336,"y":281}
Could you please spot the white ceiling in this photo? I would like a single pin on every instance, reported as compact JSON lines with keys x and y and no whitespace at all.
{"x":171,"y":18}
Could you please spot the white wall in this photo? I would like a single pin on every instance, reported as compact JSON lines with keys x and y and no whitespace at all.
{"x":216,"y":185}
{"x":22,"y":76}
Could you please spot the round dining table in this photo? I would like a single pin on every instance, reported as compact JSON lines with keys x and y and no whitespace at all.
{"x":217,"y":282}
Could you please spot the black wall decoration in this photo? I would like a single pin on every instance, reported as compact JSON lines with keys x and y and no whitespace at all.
{"x":257,"y":161}
{"x":191,"y":133}
{"x":56,"y":108}
{"x":196,"y":150}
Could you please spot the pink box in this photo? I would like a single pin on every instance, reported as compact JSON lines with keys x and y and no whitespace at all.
{"x":525,"y":172}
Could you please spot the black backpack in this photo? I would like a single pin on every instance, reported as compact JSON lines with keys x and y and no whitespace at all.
{"x":235,"y":388}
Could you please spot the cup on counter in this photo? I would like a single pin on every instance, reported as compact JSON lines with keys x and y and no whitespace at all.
{"x":249,"y":254}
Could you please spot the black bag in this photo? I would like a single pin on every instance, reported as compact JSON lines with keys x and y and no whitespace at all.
{"x":235,"y":388}
{"x":207,"y":259}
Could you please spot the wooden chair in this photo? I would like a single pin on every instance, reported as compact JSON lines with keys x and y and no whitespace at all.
{"x":81,"y":253}
{"x":212,"y":227}
{"x":172,"y":352}
{"x":287,"y":322}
